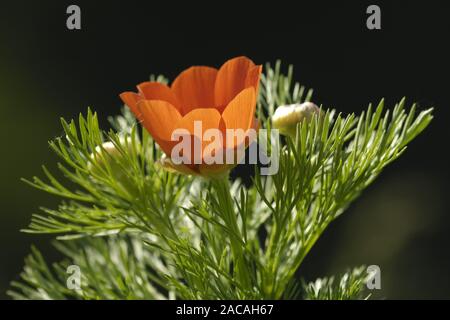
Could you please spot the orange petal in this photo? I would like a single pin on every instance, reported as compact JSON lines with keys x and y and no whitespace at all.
{"x":131,"y":99}
{"x":232,"y":156}
{"x":168,"y":165}
{"x":158,"y":91}
{"x":197,"y":122}
{"x":194,"y":88}
{"x":166,"y":146}
{"x":208,"y":117}
{"x":215,"y":170}
{"x":231,"y":79}
{"x":253,"y":77}
{"x":159,"y":118}
{"x":239,"y":113}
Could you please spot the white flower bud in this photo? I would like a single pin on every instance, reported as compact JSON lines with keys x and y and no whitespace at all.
{"x":286,"y":117}
{"x":108,"y":154}
{"x":111,"y":150}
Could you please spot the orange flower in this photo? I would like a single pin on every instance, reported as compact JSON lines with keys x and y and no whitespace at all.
{"x":220,"y":99}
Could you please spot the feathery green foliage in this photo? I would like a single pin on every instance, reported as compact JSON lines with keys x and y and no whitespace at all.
{"x":139,"y":232}
{"x":348,"y":286}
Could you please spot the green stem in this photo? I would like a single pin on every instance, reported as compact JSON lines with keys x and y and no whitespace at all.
{"x":229,"y":216}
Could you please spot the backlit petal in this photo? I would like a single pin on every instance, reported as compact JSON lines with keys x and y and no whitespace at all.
{"x":157,"y":91}
{"x":131,"y":99}
{"x":208,"y":118}
{"x":194,"y":88}
{"x":168,"y":165}
{"x":215,"y":170}
{"x":239,"y":115}
{"x":253,"y":76}
{"x":231,"y":79}
{"x":197,"y":122}
{"x":240,"y":112}
{"x":159,"y":118}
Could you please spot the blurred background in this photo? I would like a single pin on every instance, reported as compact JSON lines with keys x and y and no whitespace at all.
{"x":400,"y":223}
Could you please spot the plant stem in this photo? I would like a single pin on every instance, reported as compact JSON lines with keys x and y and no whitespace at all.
{"x":229,"y":216}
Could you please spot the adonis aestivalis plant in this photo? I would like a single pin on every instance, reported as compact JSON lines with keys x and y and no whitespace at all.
{"x":131,"y":230}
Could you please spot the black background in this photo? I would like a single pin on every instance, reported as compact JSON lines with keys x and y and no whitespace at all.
{"x":400,"y":223}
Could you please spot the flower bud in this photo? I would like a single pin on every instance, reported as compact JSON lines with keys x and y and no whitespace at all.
{"x":108,"y":154}
{"x":286,"y":117}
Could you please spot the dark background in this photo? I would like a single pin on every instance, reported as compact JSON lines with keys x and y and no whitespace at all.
{"x":400,"y":223}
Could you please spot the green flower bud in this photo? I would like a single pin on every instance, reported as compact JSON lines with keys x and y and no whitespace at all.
{"x":286,"y":117}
